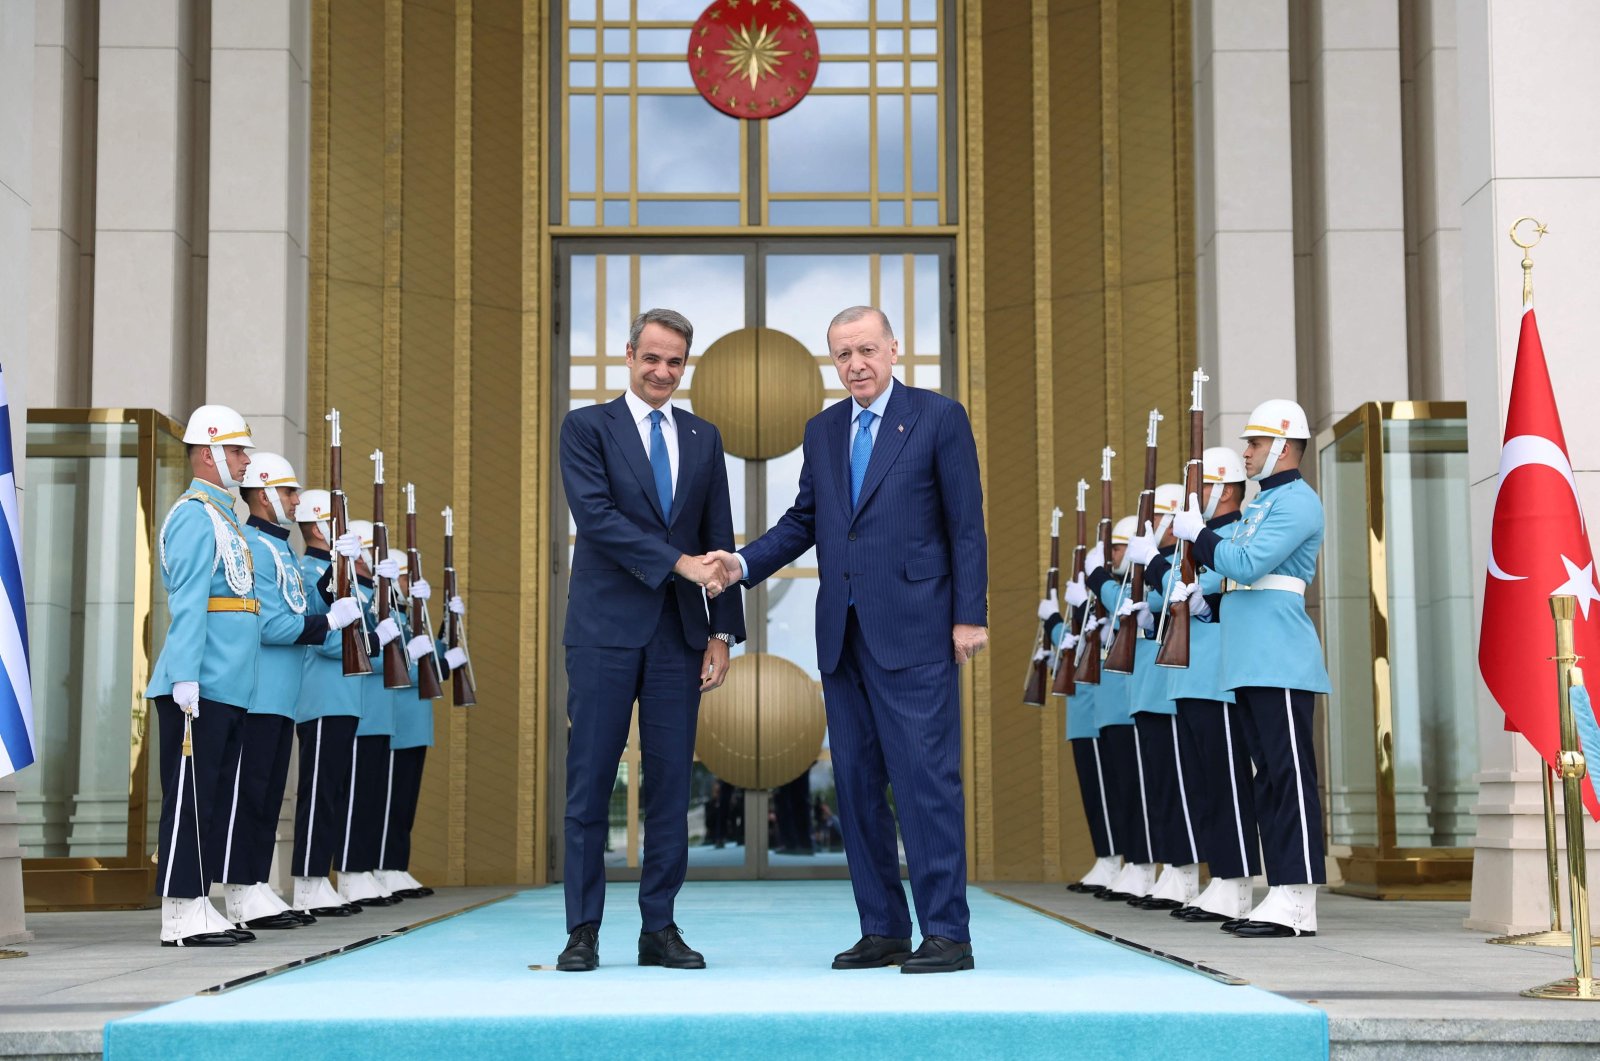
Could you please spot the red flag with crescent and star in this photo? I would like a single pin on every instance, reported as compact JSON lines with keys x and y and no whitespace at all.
{"x":1538,"y":548}
{"x":753,"y":58}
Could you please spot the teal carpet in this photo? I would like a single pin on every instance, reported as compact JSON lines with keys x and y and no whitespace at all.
{"x":461,"y":988}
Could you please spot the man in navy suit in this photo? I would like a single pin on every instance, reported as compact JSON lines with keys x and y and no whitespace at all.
{"x":648,"y":489}
{"x":890,"y":497}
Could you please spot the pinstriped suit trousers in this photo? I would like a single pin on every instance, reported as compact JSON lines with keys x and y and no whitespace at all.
{"x":899,"y":729}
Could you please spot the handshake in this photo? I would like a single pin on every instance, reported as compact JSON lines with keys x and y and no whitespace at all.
{"x":716,"y":571}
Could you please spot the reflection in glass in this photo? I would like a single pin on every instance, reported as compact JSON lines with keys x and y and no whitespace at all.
{"x":925,"y":143}
{"x":891,"y":74}
{"x":686,"y":146}
{"x":830,"y":127}
{"x":824,"y":213}
{"x":693,"y":212}
{"x":669,"y":73}
{"x":674,"y":42}
{"x":580,"y":144}
{"x":891,"y":144}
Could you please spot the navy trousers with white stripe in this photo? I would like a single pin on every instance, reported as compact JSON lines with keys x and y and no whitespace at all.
{"x":1096,"y":808}
{"x":1278,"y":731}
{"x":194,"y":789}
{"x":248,"y":828}
{"x":405,"y":786}
{"x":1168,"y":760}
{"x":368,"y":807}
{"x":1227,"y":826}
{"x":1125,"y":793}
{"x":327,"y":746}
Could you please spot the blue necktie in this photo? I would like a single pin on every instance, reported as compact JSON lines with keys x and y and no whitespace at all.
{"x":659,"y":463}
{"x":861,"y":453}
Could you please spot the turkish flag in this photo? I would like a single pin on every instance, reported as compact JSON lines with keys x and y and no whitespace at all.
{"x":1539,"y":547}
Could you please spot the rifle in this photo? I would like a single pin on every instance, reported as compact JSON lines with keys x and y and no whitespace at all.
{"x":1173,"y":633}
{"x":428,"y":669}
{"x":1033,"y":690}
{"x":354,"y":635}
{"x":1120,"y":659}
{"x":1066,"y":661}
{"x":1088,"y":669}
{"x":396,"y":675}
{"x":455,"y":636}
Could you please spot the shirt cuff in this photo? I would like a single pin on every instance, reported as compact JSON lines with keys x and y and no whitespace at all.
{"x":744,"y":568}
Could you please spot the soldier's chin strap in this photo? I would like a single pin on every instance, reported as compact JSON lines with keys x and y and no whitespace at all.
{"x":226,"y":474}
{"x":1272,"y":459}
{"x":1214,"y":500}
{"x":277,"y":506}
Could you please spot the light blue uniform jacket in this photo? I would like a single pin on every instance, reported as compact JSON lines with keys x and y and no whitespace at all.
{"x":1202,"y":678}
{"x":413,"y":717}
{"x":287,"y":634}
{"x":1111,"y":707}
{"x":1267,"y":637}
{"x":220,"y":650}
{"x":378,"y":703}
{"x":324,"y":690}
{"x":1080,"y":705}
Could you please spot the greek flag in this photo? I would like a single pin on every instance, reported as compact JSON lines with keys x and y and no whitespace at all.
{"x":16,"y":695}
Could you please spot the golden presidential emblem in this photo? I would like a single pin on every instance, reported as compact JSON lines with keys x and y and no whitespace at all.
{"x":753,"y":58}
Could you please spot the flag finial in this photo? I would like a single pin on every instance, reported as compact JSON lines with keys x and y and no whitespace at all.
{"x":1539,"y":231}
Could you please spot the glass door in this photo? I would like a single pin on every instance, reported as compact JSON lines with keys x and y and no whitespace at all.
{"x":762,"y":796}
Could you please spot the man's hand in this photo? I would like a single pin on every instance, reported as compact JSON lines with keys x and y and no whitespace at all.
{"x":187,"y":696}
{"x":1142,"y":548}
{"x":1048,"y":608}
{"x":348,"y":545}
{"x":969,"y":641}
{"x":388,"y":569}
{"x":700,"y":570}
{"x":1095,"y":558}
{"x":387,"y":631}
{"x":1188,"y":523}
{"x":418,"y":647}
{"x":714,"y":666}
{"x":728,"y":567}
{"x":1077,"y":593}
{"x":458,"y":605}
{"x":342,"y":612}
{"x":421,"y":590}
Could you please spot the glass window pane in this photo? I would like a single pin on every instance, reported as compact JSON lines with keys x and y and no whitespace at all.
{"x":616,"y":75}
{"x":581,"y":377}
{"x":673,"y":73}
{"x":925,"y":143}
{"x":840,"y":75}
{"x":891,"y":75}
{"x":617,"y":42}
{"x":836,"y":10}
{"x":930,"y":336}
{"x":804,"y":291}
{"x":617,"y":212}
{"x":691,"y":212}
{"x":823,"y":127}
{"x":663,"y":41}
{"x":581,"y":300}
{"x":891,"y":213}
{"x":580,"y":75}
{"x":686,"y":145}
{"x":924,"y":41}
{"x":891,"y":10}
{"x":892,"y":295}
{"x":580,"y":212}
{"x":924,"y":75}
{"x":823,"y":212}
{"x":580,"y":41}
{"x":841,"y":42}
{"x":617,"y":375}
{"x":580,"y":10}
{"x":616,"y":10}
{"x":924,"y":10}
{"x":668,"y":11}
{"x":617,"y":147}
{"x":891,"y":42}
{"x":924,"y":212}
{"x":929,"y":377}
{"x":891,"y":144}
{"x":580,"y":144}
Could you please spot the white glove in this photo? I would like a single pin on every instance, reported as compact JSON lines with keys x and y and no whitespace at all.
{"x":1069,"y":642}
{"x":1040,"y":655}
{"x":348,"y":545}
{"x":1188,"y":523}
{"x":458,"y":605}
{"x":1090,"y":625}
{"x":1141,"y":613}
{"x":421,"y":590}
{"x":1142,"y":547}
{"x":1048,"y":608}
{"x":388,"y":568}
{"x":342,"y":612}
{"x":1094,"y":559}
{"x":1180,"y":592}
{"x":187,"y":696}
{"x":456,"y":658}
{"x":1199,"y":607}
{"x":1125,"y":609}
{"x":1077,"y":593}
{"x":419,"y":646}
{"x":388,"y":630}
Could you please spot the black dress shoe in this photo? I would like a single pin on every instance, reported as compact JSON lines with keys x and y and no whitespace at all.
{"x":378,"y":900}
{"x":1150,"y":902}
{"x":274,"y":921}
{"x":667,"y":949}
{"x":1080,"y":888}
{"x":353,"y":908}
{"x":242,"y":935}
{"x":331,"y":911}
{"x":305,"y":917}
{"x":1182,"y":912}
{"x":423,"y":892}
{"x":203,"y":939}
{"x":1197,"y":916}
{"x":939,"y":955}
{"x":1232,"y":923}
{"x":873,"y":952}
{"x":582,"y":954}
{"x":1115,"y":897}
{"x":412,"y":893}
{"x":1268,"y":930}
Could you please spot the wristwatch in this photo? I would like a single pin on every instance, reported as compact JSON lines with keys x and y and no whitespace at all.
{"x":726,"y":639}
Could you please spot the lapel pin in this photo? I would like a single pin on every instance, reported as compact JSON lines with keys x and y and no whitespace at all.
{"x":902,"y":427}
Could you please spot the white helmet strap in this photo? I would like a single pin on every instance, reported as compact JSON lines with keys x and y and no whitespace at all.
{"x":220,"y":459}
{"x":1272,"y":459}
{"x":1214,"y":500}
{"x":277,"y":505}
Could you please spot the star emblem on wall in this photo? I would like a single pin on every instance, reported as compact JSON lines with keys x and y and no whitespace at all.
{"x":753,"y":58}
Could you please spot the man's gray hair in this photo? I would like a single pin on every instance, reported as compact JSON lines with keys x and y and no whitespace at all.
{"x":855,"y":313}
{"x":667,"y":318}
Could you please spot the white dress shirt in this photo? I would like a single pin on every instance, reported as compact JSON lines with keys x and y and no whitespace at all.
{"x":640,"y":410}
{"x":879,"y":404}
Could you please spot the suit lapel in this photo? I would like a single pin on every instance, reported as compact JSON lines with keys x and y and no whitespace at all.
{"x":891,"y":438}
{"x":691,"y":458}
{"x":626,"y":433}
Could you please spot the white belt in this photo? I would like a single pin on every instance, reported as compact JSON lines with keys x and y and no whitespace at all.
{"x":1286,"y":583}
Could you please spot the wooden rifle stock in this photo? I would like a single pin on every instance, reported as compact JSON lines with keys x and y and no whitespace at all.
{"x":428,"y":685}
{"x":1089,"y":656}
{"x":461,"y":684}
{"x":354,"y":635}
{"x":1120,"y":659}
{"x":1174,"y":648}
{"x":396,"y":675}
{"x":1067,"y":664}
{"x":1034,"y":689}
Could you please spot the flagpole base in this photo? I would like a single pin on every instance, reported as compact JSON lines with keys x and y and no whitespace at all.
{"x":1554,"y":937}
{"x":1571,"y":988}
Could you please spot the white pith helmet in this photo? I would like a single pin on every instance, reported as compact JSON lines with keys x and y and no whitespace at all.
{"x":217,"y":426}
{"x":316,"y":506}
{"x":1278,"y":419}
{"x":268,"y":471}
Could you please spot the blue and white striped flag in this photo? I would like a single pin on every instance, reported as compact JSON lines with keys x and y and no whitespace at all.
{"x":16,"y":693}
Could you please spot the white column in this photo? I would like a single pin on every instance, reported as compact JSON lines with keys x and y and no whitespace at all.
{"x":143,"y":207}
{"x":1528,"y":80}
{"x":260,"y":144}
{"x":16,"y":164}
{"x":1244,"y":207}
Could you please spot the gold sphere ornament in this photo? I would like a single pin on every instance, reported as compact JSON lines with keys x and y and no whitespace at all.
{"x":764,"y":726}
{"x":759,"y":386}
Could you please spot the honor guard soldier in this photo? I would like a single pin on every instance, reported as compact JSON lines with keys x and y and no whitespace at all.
{"x":203,"y":678}
{"x":1272,"y":659}
{"x":249,"y":831}
{"x":408,"y":748}
{"x":326,"y":717}
{"x":369,"y":770}
{"x":1167,"y":758}
{"x":1227,"y":818}
{"x":1119,"y":747}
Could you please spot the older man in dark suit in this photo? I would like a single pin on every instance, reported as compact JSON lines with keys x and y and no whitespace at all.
{"x":890,"y":497}
{"x":648,"y":490}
